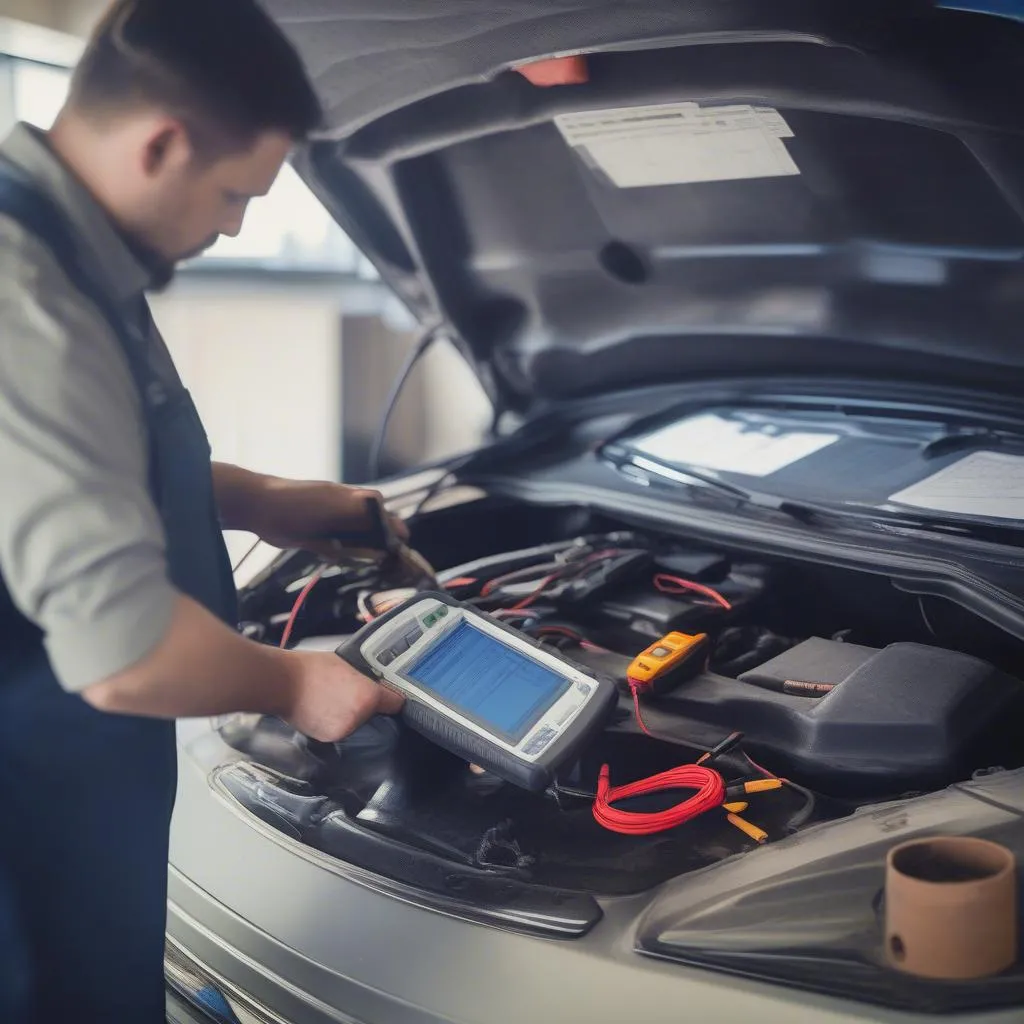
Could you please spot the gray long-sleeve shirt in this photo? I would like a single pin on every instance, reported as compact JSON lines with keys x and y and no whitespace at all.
{"x":81,"y":543}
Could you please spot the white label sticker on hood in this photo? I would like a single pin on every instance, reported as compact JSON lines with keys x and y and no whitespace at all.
{"x":988,"y":484}
{"x":708,"y":441}
{"x":681,"y":143}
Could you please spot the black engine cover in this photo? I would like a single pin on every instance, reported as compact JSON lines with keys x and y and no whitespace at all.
{"x":909,"y":717}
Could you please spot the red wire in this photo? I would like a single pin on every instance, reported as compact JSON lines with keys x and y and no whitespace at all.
{"x":572,"y":635}
{"x":562,"y":569}
{"x":511,"y":577}
{"x":299,"y":602}
{"x":710,"y":793}
{"x":674,"y":585}
{"x":763,"y":771}
{"x":548,"y":580}
{"x":527,"y":601}
{"x":562,"y":631}
{"x":636,"y":707}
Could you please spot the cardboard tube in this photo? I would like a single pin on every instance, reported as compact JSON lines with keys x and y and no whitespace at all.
{"x":951,"y":908}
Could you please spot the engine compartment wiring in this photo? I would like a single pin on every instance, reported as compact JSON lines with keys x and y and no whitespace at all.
{"x":544,"y":597}
{"x":304,"y":593}
{"x":763,"y":709}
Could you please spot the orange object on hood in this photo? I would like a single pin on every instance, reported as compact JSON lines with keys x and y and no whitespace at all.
{"x":556,"y":71}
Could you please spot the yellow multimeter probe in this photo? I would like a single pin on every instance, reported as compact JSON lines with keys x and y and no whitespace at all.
{"x":672,"y":660}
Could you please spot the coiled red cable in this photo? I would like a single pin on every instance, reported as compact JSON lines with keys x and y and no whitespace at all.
{"x":710,"y":793}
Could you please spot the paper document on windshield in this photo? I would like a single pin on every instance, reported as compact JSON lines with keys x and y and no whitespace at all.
{"x":988,"y":484}
{"x":731,"y":446}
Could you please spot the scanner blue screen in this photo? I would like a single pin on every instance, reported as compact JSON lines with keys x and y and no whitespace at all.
{"x":489,"y":681}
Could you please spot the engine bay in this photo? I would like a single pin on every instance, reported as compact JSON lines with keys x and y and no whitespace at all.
{"x":821,"y":690}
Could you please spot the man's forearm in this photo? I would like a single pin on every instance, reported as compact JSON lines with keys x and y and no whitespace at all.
{"x":201,"y":668}
{"x":238,"y":495}
{"x":308,"y":514}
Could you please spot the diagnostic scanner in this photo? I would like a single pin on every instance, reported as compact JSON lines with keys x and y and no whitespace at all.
{"x":481,"y":689}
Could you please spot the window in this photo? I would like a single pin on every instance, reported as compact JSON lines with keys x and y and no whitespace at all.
{"x":39,"y":91}
{"x":287,"y":229}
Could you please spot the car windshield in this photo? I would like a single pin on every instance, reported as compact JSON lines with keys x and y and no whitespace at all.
{"x":913,"y":468}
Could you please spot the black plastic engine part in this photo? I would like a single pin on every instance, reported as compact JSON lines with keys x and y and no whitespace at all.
{"x":601,"y":577}
{"x":638,"y":614}
{"x":406,"y":806}
{"x":907,"y":718}
{"x":814,"y":661}
{"x":699,"y":566}
{"x":644,"y":613}
{"x":740,"y":648}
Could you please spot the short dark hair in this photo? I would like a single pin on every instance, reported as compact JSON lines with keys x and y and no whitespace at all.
{"x":221,"y":66}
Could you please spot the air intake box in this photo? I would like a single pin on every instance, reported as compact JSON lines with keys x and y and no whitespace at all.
{"x":909,"y":717}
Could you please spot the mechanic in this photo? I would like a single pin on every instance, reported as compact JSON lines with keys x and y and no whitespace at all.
{"x":118,"y":611}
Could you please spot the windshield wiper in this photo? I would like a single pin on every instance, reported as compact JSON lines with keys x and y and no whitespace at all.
{"x":695,"y":477}
{"x":810,"y":512}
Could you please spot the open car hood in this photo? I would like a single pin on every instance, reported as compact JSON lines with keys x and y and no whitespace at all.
{"x":856,"y":207}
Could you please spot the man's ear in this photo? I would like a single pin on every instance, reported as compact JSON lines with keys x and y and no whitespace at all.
{"x":167,"y":148}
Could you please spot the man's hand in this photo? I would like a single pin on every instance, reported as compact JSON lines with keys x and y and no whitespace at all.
{"x":295,"y":513}
{"x":332,"y":699}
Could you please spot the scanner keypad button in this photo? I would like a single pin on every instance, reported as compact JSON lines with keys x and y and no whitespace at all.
{"x":541,"y":740}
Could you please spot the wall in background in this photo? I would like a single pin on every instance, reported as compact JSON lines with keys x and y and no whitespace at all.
{"x":290,"y":375}
{"x":459,"y":414}
{"x":77,"y":17}
{"x":441,"y":412}
{"x":74,"y":17}
{"x":49,"y":13}
{"x":372,"y":354}
{"x":263,"y":368}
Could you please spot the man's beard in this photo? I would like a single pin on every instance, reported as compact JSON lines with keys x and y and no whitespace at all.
{"x":200,"y":249}
{"x":161,"y":270}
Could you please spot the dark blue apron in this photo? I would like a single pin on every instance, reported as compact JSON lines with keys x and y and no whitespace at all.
{"x":86,"y":797}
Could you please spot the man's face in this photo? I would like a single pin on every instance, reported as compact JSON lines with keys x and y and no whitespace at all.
{"x":190,"y":202}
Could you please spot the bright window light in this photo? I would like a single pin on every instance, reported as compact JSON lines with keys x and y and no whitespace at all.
{"x":287,"y":228}
{"x":39,"y":91}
